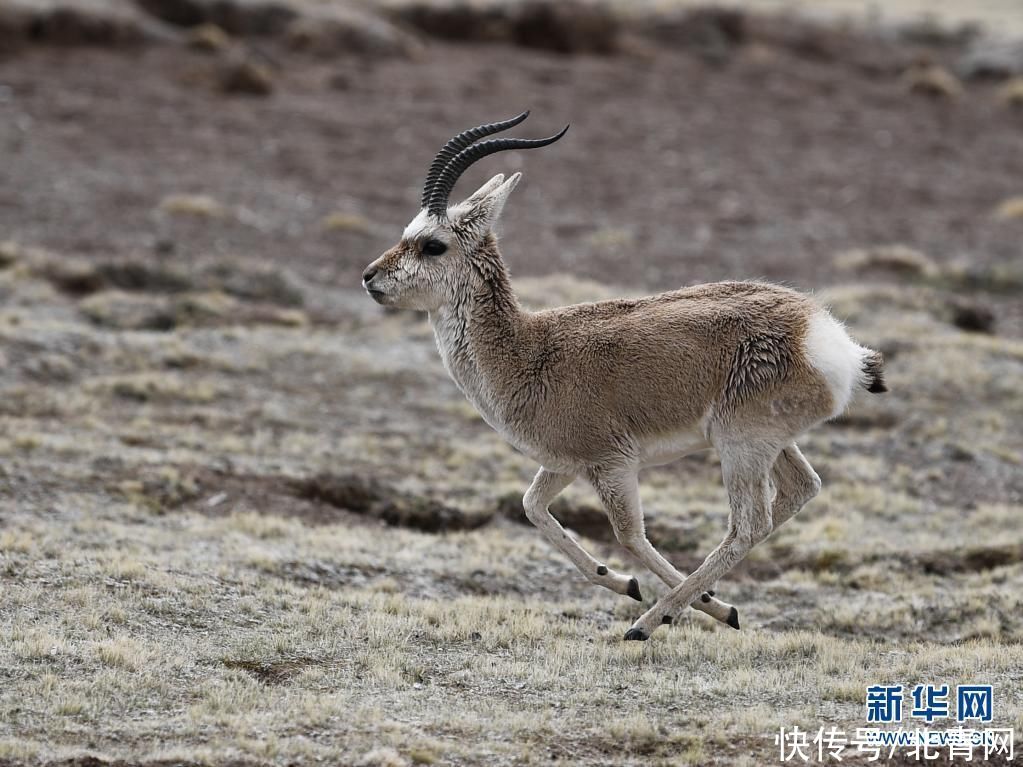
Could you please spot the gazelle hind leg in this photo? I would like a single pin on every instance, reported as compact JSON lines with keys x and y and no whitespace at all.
{"x":619,"y":492}
{"x":796,"y":483}
{"x":545,"y":488}
{"x":745,"y":469}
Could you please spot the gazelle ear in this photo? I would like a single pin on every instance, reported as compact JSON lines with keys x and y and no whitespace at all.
{"x":497,"y":198}
{"x":484,"y":190}
{"x":478,"y":214}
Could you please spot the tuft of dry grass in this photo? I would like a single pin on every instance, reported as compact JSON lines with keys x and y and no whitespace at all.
{"x":385,"y":756}
{"x":209,"y":38}
{"x":151,"y":387}
{"x":1009,"y":209}
{"x":346,"y":222}
{"x":10,"y":253}
{"x":194,"y":205}
{"x":897,"y":259}
{"x":1011,"y":93}
{"x":611,"y":239}
{"x":932,"y":80}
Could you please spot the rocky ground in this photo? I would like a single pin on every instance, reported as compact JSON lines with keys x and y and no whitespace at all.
{"x":245,"y":518}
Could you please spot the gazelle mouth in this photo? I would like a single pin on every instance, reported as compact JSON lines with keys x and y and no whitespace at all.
{"x":377,"y":295}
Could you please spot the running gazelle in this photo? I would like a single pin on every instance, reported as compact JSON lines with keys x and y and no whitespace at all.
{"x":602,"y":390}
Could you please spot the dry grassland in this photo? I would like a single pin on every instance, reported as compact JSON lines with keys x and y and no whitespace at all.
{"x":168,"y":595}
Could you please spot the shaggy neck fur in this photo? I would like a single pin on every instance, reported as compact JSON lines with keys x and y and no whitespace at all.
{"x":479,"y":329}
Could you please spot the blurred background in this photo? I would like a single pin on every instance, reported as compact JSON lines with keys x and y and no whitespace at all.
{"x":245,"y":515}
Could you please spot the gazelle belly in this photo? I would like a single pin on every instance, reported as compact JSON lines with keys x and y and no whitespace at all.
{"x":666,"y":448}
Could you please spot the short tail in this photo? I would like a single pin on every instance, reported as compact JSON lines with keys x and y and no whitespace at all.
{"x":873,"y":372}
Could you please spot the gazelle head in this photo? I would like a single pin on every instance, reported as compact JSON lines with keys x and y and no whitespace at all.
{"x":438,"y":247}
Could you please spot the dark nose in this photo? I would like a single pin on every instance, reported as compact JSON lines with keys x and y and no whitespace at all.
{"x":368,"y":275}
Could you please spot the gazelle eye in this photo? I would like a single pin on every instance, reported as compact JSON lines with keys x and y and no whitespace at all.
{"x":433,"y":248}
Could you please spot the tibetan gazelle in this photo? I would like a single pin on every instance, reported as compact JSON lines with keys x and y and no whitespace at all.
{"x":603,"y":390}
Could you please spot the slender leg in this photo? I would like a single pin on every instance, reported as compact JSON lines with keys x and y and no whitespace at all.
{"x":546,"y":486}
{"x":797,"y":483}
{"x":745,"y":470}
{"x":619,"y":492}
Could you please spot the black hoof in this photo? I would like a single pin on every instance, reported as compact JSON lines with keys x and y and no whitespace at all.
{"x":636,"y":635}
{"x":710,"y":591}
{"x":705,"y":597}
{"x":634,"y":591}
{"x":733,"y":619}
{"x":601,"y":570}
{"x":666,"y":620}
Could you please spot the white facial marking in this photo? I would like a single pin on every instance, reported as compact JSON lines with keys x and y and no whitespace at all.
{"x":421,"y":227}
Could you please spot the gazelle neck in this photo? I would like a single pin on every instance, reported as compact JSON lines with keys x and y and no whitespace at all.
{"x":479,"y":330}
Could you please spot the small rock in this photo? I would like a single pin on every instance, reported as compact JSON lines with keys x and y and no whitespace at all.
{"x":248,"y":77}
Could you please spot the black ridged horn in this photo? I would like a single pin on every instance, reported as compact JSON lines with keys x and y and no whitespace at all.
{"x":460,"y":142}
{"x":438,"y":201}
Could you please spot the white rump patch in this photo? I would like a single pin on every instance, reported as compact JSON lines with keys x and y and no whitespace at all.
{"x":836,"y":356}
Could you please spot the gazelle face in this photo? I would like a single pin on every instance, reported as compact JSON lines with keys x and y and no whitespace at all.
{"x":434,"y":257}
{"x":418,"y":272}
{"x":435,"y":254}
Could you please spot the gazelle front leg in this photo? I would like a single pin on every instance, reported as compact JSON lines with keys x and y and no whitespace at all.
{"x":745,"y":471}
{"x":618,"y":490}
{"x":546,"y":486}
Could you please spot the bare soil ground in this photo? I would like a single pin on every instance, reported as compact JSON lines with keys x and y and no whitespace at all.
{"x":245,"y":518}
